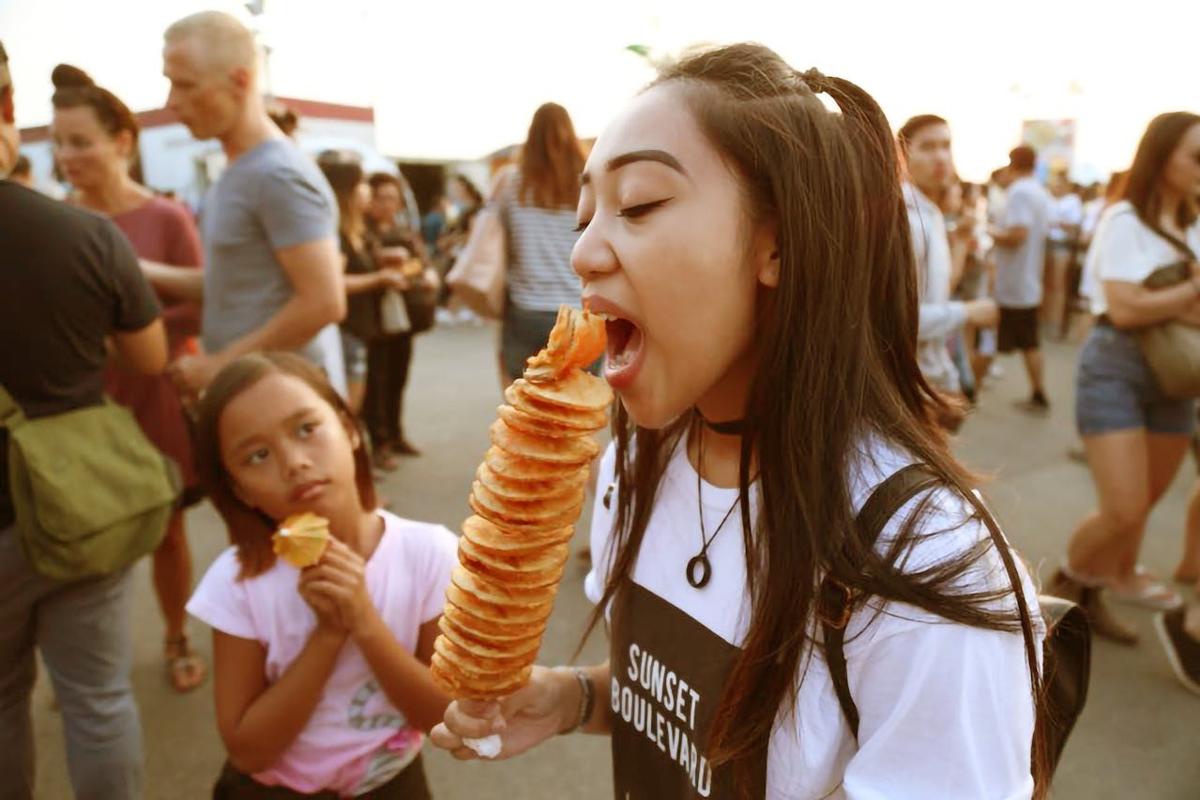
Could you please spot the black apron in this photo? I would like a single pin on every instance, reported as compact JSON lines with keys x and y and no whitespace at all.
{"x":668,"y":674}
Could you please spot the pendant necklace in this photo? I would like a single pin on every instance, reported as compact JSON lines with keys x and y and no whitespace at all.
{"x":699,"y":569}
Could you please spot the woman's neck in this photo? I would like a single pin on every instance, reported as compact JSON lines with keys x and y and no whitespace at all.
{"x":725,"y":402}
{"x":113,"y":197}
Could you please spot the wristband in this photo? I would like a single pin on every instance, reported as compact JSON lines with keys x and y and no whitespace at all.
{"x":587,"y":701}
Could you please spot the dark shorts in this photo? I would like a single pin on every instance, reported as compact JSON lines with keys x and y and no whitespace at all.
{"x":1115,"y":390}
{"x":1018,"y":329}
{"x":410,"y":784}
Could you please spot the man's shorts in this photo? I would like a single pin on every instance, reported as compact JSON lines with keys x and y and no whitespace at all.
{"x":1018,"y":329}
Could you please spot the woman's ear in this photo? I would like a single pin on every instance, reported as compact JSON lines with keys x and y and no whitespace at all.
{"x":766,"y":255}
{"x":124,"y":142}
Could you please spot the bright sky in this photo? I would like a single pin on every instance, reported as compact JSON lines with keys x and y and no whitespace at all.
{"x":456,"y":80}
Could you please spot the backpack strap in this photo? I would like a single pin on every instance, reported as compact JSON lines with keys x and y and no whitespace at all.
{"x":835,"y":601}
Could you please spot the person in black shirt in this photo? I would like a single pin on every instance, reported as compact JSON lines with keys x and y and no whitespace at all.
{"x":70,"y":289}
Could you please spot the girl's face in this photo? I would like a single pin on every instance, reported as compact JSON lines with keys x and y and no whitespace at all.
{"x":667,"y":249}
{"x":1182,"y":172}
{"x":88,"y":155}
{"x":287,"y":451}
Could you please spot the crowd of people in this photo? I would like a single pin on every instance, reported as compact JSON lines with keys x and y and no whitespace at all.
{"x":767,"y":317}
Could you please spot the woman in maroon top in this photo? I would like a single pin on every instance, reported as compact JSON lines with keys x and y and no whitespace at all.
{"x":95,"y":140}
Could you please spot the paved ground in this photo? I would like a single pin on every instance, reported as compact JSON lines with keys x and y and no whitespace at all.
{"x":1137,"y":738}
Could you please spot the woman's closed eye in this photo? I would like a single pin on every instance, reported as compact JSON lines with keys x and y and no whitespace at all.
{"x":642,"y":209}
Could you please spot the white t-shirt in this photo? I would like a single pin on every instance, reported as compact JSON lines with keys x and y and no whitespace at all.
{"x":1125,"y":249}
{"x":1065,"y":210}
{"x":946,"y":710}
{"x":940,"y":316}
{"x":355,"y":739}
{"x":1019,"y":269}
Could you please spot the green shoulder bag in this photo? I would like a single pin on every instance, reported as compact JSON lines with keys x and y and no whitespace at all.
{"x":91,"y":493}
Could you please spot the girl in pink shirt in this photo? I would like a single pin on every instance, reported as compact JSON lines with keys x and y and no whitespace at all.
{"x":321,"y":674}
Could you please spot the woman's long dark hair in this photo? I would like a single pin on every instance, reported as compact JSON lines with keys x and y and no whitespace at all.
{"x":1143,"y":185}
{"x":836,"y":350}
{"x":551,"y":160}
{"x":74,"y":88}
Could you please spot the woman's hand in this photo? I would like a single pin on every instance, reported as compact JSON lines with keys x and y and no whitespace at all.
{"x":338,"y":582}
{"x":545,"y":707}
{"x":392,"y":279}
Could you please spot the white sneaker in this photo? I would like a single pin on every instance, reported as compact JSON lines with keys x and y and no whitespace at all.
{"x":995,"y":371}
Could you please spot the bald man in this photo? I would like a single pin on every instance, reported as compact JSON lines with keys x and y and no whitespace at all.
{"x":273,"y":273}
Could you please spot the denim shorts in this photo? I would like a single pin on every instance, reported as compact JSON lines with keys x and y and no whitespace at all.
{"x":1115,"y":390}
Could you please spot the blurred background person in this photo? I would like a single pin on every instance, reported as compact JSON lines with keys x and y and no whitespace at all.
{"x":70,"y":289}
{"x":287,"y":120}
{"x":1066,"y":217}
{"x":1135,"y":437}
{"x":95,"y":142}
{"x":388,"y":356}
{"x":537,"y":201}
{"x":1020,"y":247}
{"x":925,"y":143}
{"x":273,"y":275}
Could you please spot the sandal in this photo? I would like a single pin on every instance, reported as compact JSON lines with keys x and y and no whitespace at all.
{"x":1146,"y":590}
{"x":185,"y":669}
{"x":1090,"y":597}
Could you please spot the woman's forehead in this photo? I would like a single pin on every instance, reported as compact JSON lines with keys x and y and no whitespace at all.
{"x":656,"y":119}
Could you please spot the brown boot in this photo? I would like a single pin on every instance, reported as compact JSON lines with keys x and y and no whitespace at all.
{"x":1091,"y":600}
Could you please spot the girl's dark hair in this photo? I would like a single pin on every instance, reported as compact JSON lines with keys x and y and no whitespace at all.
{"x":250,"y":529}
{"x":344,"y":171}
{"x":1142,"y":186}
{"x":836,"y":350}
{"x":551,"y":160}
{"x":470,"y":188}
{"x":74,"y":88}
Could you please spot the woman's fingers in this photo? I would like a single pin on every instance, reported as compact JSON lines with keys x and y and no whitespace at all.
{"x":474,"y":719}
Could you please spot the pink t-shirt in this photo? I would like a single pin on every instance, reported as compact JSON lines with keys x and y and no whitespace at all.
{"x":355,"y":739}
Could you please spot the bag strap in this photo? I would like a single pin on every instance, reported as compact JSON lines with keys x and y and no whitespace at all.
{"x":836,"y":601}
{"x":887,"y":500}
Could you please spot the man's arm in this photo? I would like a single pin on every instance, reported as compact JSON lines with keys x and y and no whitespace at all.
{"x":143,"y":351}
{"x":1010,"y":237}
{"x":178,"y":283}
{"x":318,"y":298}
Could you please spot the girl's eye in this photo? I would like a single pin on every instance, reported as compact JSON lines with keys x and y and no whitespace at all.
{"x":306,"y":429}
{"x":257,"y":457}
{"x":641,"y":210}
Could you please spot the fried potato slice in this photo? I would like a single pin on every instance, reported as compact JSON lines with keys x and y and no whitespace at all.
{"x":575,"y":390}
{"x":575,"y":418}
{"x":301,"y":539}
{"x":579,"y":450}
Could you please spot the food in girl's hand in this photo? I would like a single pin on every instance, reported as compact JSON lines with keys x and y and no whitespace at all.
{"x":301,"y":539}
{"x":527,"y":495}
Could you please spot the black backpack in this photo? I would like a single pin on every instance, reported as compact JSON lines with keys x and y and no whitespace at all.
{"x":1066,"y":650}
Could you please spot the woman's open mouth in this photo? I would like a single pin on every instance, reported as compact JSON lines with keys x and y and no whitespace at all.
{"x":623,"y":356}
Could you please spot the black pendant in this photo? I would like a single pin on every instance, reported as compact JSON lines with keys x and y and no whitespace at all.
{"x":699,"y":563}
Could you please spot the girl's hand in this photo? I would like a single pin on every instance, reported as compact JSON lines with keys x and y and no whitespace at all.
{"x":545,"y":707}
{"x":326,"y":610}
{"x":340,"y":580}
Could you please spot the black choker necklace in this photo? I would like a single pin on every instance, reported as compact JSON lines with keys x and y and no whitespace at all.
{"x":731,"y":427}
{"x":699,"y":568}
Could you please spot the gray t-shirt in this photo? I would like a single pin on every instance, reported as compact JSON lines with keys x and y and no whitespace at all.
{"x":1019,"y":269}
{"x":269,"y":198}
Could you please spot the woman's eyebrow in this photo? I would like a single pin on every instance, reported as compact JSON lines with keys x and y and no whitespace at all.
{"x":625,"y":159}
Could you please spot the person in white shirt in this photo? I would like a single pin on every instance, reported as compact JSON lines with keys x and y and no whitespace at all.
{"x":751,"y":252}
{"x":1135,"y":437}
{"x":925,"y":142}
{"x":1020,"y":265}
{"x":1066,"y":218}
